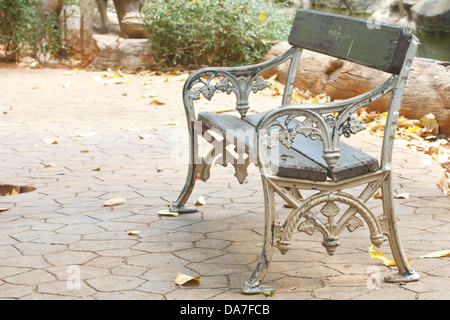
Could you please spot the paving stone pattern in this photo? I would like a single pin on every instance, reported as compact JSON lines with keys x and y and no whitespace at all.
{"x":61,"y":242}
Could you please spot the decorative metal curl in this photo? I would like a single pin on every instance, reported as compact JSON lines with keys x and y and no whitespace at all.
{"x":331,"y":229}
{"x":241,"y":86}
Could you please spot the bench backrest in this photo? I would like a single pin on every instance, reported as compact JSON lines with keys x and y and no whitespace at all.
{"x":380,"y":46}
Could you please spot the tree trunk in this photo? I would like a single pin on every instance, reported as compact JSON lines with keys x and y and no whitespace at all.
{"x":87,"y":45}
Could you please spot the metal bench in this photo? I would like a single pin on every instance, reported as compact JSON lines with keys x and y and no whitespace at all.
{"x":298,"y":147}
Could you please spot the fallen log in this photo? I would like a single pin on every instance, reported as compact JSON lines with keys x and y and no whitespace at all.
{"x":427,"y":90}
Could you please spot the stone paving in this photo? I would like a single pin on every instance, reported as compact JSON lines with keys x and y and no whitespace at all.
{"x":77,"y":142}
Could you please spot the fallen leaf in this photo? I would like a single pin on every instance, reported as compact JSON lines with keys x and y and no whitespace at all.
{"x":377,"y":195}
{"x":85,"y":151}
{"x":51,"y":141}
{"x":4,"y":209}
{"x":269,"y":293}
{"x":200,"y":201}
{"x":150,"y":95}
{"x":83,"y":135}
{"x":171,"y":123}
{"x":13,"y":192}
{"x":156,"y":101}
{"x":430,"y":123}
{"x":182,"y":279}
{"x":437,"y":254}
{"x":49,"y":165}
{"x":134,"y":232}
{"x":168,"y":213}
{"x":145,"y":136}
{"x":401,"y":196}
{"x":380,"y":256}
{"x":181,"y":77}
{"x":114,"y":202}
{"x":112,"y":77}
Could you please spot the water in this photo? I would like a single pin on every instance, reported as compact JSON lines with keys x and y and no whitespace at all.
{"x":433,"y":47}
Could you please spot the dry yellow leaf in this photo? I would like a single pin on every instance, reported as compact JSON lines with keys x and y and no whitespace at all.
{"x":168,"y":213}
{"x":51,"y":141}
{"x":181,"y":77}
{"x":67,"y":84}
{"x":13,"y":192}
{"x":84,"y":135}
{"x":200,"y":201}
{"x":377,"y":195}
{"x":114,"y":202}
{"x":437,"y":254}
{"x":171,"y":123}
{"x":156,"y":101}
{"x":112,"y":77}
{"x":374,"y":254}
{"x":182,"y":279}
{"x":4,"y":209}
{"x":134,"y":232}
{"x":150,"y":95}
{"x":145,"y":136}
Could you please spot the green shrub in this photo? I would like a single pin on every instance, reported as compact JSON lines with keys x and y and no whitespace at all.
{"x":25,"y":27}
{"x":212,"y":32}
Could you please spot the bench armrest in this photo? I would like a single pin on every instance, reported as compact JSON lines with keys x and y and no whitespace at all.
{"x":324,"y":121}
{"x":240,"y":80}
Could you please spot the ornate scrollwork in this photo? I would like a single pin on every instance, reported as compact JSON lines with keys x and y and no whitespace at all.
{"x":331,"y":228}
{"x":286,"y":135}
{"x":208,"y":90}
{"x":259,"y":84}
{"x":229,"y":83}
{"x":307,"y":127}
{"x":351,"y":126}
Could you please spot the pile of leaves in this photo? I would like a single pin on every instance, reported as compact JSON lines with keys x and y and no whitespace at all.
{"x":420,"y":135}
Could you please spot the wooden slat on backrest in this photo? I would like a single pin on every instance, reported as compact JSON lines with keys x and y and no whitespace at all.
{"x":381,"y":46}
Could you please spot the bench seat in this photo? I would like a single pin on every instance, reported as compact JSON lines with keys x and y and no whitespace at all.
{"x":303,"y":160}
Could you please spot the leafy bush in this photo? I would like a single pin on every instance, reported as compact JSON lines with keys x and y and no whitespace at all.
{"x":211,"y":32}
{"x":24,"y":26}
